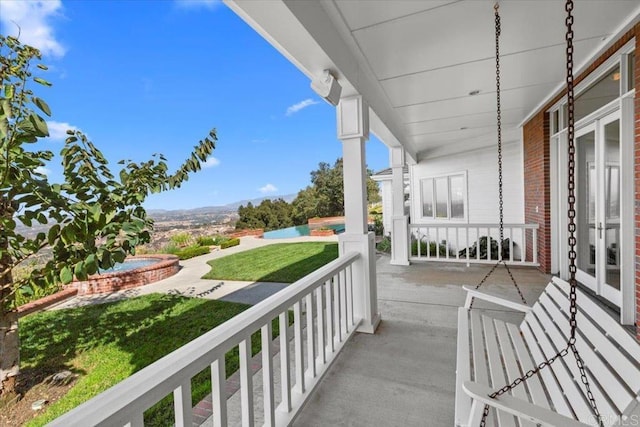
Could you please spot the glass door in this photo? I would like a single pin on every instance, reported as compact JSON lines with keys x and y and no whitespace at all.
{"x":586,"y":198}
{"x":598,"y":206}
{"x":610,"y":210}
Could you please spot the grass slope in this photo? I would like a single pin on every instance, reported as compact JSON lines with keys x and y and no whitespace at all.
{"x":281,"y":262}
{"x":105,"y":344}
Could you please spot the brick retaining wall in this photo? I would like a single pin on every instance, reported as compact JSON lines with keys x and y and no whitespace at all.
{"x":120,"y":280}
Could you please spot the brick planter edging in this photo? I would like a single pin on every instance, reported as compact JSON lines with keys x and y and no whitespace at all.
{"x":321,"y":233}
{"x":121,"y":280}
{"x":49,"y":300}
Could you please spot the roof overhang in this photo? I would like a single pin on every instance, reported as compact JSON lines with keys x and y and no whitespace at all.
{"x":416,"y":62}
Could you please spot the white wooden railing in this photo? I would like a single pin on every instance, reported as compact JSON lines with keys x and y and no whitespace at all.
{"x":447,"y":242}
{"x":324,"y":319}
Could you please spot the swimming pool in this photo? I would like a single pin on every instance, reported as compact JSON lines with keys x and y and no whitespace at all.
{"x":297,"y":231}
{"x":130,"y":264}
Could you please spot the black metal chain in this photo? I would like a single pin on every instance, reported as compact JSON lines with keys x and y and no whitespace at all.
{"x":573,"y":308}
{"x":498,"y":30}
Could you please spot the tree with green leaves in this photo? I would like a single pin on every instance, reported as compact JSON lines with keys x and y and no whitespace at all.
{"x":95,"y":218}
{"x":268,"y":215}
{"x":325,"y":196}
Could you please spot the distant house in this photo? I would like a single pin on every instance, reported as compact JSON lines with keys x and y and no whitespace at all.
{"x":384,"y":178}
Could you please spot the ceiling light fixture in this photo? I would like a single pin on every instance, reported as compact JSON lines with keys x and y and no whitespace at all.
{"x":615,"y":76}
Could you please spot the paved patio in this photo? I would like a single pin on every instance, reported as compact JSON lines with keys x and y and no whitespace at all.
{"x":404,"y":375}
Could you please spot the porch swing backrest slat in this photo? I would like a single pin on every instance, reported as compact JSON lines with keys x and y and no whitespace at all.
{"x":499,"y":352}
{"x":556,"y":394}
{"x":533,"y":385}
{"x":570,"y":368}
{"x":605,"y":321}
{"x":611,"y":368}
{"x":559,"y":368}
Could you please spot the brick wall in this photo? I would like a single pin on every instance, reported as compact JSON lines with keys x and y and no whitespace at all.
{"x":537,"y":191}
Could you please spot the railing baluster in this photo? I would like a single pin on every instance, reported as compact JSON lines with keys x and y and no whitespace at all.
{"x":329,"y":292}
{"x":322,"y":351}
{"x":246,"y":383}
{"x":489,"y":244}
{"x":511,"y":244}
{"x":337,"y":307}
{"x":311,"y":337}
{"x":343,"y":298}
{"x":219,"y":392}
{"x":446,"y":245}
{"x":182,"y":404}
{"x":467,"y":232}
{"x":457,"y":243}
{"x":266,"y":336}
{"x":350,"y":296}
{"x":285,"y":363}
{"x":299,"y":347}
{"x":478,"y":245}
{"x":437,"y":243}
{"x":535,"y":246}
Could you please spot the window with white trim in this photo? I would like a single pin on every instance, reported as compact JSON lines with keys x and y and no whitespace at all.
{"x":444,"y":197}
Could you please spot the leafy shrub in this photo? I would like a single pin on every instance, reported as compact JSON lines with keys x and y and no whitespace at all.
{"x":206,"y":241}
{"x":229,"y":243}
{"x":481,"y":245}
{"x":384,"y":245}
{"x":378,"y":226}
{"x":182,"y":239}
{"x":171,"y":249}
{"x":192,"y":251}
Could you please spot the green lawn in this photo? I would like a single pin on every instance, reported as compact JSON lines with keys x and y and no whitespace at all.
{"x":105,"y":344}
{"x":280,"y":262}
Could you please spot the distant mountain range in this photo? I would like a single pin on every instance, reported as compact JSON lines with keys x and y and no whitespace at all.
{"x":231,"y":207}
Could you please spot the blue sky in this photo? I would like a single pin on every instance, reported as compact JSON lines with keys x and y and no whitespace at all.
{"x":141,"y":77}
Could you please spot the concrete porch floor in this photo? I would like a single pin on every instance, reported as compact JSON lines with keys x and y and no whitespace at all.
{"x":404,"y":374}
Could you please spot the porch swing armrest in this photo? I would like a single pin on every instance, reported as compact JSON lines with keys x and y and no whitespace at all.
{"x":518,"y":407}
{"x":474,"y":293}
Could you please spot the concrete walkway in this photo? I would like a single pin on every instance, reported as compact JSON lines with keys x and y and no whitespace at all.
{"x":188,"y":281}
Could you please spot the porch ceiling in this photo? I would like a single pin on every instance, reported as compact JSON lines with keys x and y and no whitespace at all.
{"x":416,"y":62}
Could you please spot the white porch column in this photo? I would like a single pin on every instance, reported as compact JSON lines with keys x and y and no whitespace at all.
{"x":353,"y":131}
{"x":399,"y":221}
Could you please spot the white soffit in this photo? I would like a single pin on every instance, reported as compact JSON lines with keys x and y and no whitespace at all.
{"x":416,"y":61}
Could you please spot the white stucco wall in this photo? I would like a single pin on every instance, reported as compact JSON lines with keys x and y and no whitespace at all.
{"x":481,"y":168}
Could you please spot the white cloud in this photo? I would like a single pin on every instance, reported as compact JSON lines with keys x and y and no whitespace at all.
{"x":269,"y":188}
{"x":193,"y":4}
{"x":211,"y":162}
{"x":58,"y":130}
{"x":31,"y":21}
{"x":42,"y":170}
{"x":300,"y":105}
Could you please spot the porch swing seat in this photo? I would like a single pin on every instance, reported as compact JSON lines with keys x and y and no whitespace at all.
{"x":492,"y":353}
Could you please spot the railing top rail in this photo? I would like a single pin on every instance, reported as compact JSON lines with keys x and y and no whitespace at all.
{"x":152,"y":383}
{"x":472,"y":225}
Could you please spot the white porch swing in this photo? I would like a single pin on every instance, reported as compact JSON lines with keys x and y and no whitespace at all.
{"x":585,"y":374}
